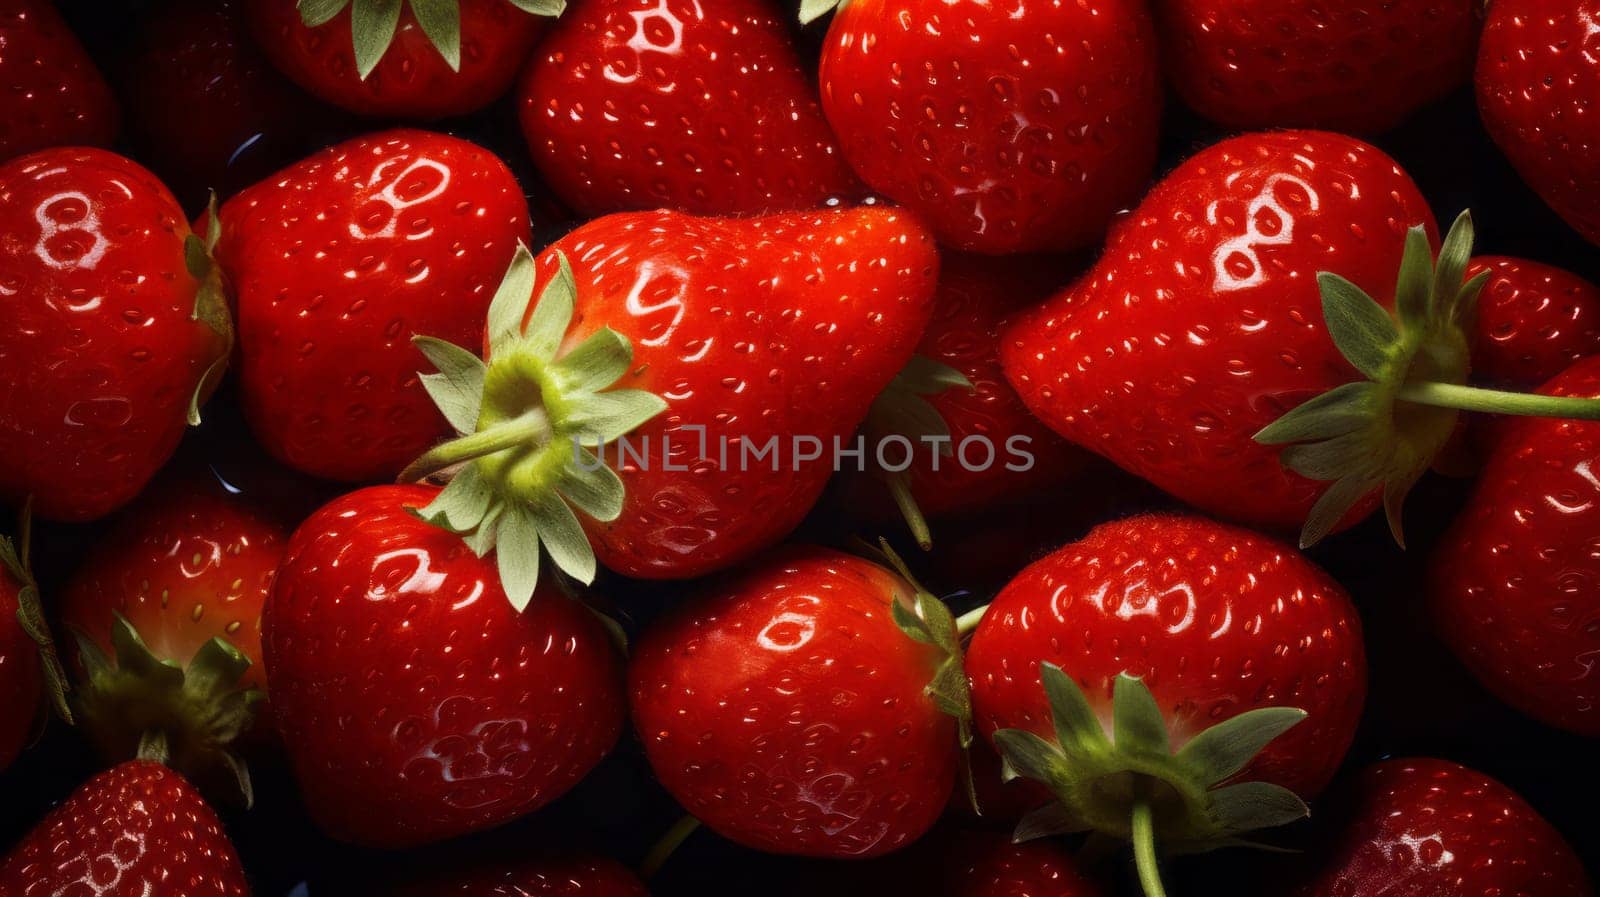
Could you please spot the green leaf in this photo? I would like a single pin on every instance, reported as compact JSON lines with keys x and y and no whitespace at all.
{"x":1048,"y":821}
{"x":1138,"y":724}
{"x":593,"y":487}
{"x":1414,"y":289}
{"x":551,"y":8}
{"x":563,"y":537}
{"x":1028,"y":756}
{"x":595,"y":363}
{"x":547,"y":327}
{"x":484,"y":539}
{"x":440,"y":20}
{"x":1395,"y":490}
{"x":517,"y":555}
{"x":1332,"y":507}
{"x":1248,"y":806}
{"x":196,"y":260}
{"x":1454,"y":256}
{"x":457,"y":388}
{"x":607,"y":416}
{"x":1362,"y":329}
{"x":812,"y":10}
{"x":1349,"y":454}
{"x":210,"y":307}
{"x":1077,"y":727}
{"x":510,"y":304}
{"x":1464,"y":312}
{"x":372,"y":28}
{"x":1222,"y":751}
{"x":1336,"y":412}
{"x":319,"y":12}
{"x":461,"y":505}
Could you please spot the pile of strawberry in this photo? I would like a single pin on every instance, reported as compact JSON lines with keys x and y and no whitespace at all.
{"x":948,"y":447}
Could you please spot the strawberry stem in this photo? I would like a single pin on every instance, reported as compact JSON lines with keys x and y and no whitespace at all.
{"x":1144,"y":842}
{"x":529,"y":429}
{"x":969,"y":621}
{"x":1494,"y":401}
{"x":663,"y":849}
{"x":900,"y":487}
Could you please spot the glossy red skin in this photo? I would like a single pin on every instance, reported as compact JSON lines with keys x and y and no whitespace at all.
{"x":100,"y":325}
{"x":20,"y":682}
{"x":1188,"y":337}
{"x":1425,"y":827}
{"x":135,"y":830}
{"x":1216,"y":620}
{"x":553,"y":875}
{"x":963,"y":863}
{"x":1533,"y":321}
{"x":415,"y":703}
{"x":54,"y":96}
{"x":336,"y":263}
{"x":412,"y":81}
{"x":1515,"y":585}
{"x":774,"y":326}
{"x":185,"y":564}
{"x":787,"y":711}
{"x":1358,"y":66}
{"x":1011,"y":126}
{"x":697,"y":106}
{"x":1536,"y":80}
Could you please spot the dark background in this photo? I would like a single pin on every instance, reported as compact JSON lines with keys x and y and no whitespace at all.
{"x":1421,"y":702}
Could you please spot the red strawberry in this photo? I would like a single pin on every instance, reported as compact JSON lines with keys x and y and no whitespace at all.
{"x":1009,"y":127}
{"x":751,"y":335}
{"x":1516,"y":582}
{"x":1425,"y":827}
{"x":546,"y":875}
{"x":1251,"y":678}
{"x":415,"y":702}
{"x":1360,"y":66}
{"x":414,"y":59}
{"x":167,"y":610}
{"x":958,"y":863}
{"x":1536,"y":79}
{"x":1533,"y":320}
{"x":799,"y":707}
{"x":136,"y":830}
{"x":53,"y":94}
{"x":701,"y":107}
{"x":116,"y":321}
{"x":337,"y":262}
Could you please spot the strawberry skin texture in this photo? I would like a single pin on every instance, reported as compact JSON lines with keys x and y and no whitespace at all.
{"x":412,"y":81}
{"x":1010,"y":127}
{"x":753,"y":328}
{"x":1358,"y":66}
{"x":552,"y":875}
{"x":1533,"y":321}
{"x":20,"y":681}
{"x":1536,"y":80}
{"x":99,"y":309}
{"x":336,"y":263}
{"x":54,"y":96}
{"x":1425,"y":827}
{"x":135,"y":830}
{"x":787,"y":711}
{"x":1515,"y":589}
{"x":1202,"y":322}
{"x":415,"y":703}
{"x":731,"y":123}
{"x":1216,"y":620}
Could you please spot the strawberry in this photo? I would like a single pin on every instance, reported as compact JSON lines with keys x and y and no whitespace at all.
{"x":1513,"y":582}
{"x":759,"y":333}
{"x":415,"y":703}
{"x":166,"y":608}
{"x":544,"y":875}
{"x":1535,"y":81}
{"x":136,"y":830}
{"x":733,"y":127}
{"x":414,"y":59}
{"x":28,"y":660}
{"x":336,"y":262}
{"x":54,"y":96}
{"x":1533,"y":320}
{"x":1425,"y":827}
{"x":804,"y":706}
{"x":116,"y":321}
{"x":1216,"y":675}
{"x":959,"y":863}
{"x":1009,"y":127}
{"x":1358,"y":66}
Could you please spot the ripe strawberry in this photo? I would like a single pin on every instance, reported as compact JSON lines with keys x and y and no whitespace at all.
{"x":1250,"y":681}
{"x":805,"y":706}
{"x":962,"y":863}
{"x":414,"y":59}
{"x":415,"y":703}
{"x":1009,"y":127}
{"x":759,"y":333}
{"x":1513,"y":582}
{"x":544,"y":875}
{"x":1359,"y":66}
{"x":732,"y":127}
{"x":53,"y":94}
{"x":136,"y":830}
{"x":1533,"y":320}
{"x":1419,"y":826}
{"x":28,"y":661}
{"x":166,"y":608}
{"x":1536,"y":80}
{"x":337,"y":262}
{"x":116,"y":329}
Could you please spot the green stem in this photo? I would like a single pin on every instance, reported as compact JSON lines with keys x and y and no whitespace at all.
{"x":900,"y":487}
{"x":1494,"y":401}
{"x":662,"y":850}
{"x":970,"y":620}
{"x":532,"y":428}
{"x":1144,"y":844}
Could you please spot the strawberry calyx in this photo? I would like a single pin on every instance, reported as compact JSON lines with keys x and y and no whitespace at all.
{"x":210,"y":304}
{"x":528,"y":417}
{"x":1130,"y":783}
{"x":185,"y":716}
{"x":1384,"y":432}
{"x":902,"y":409}
{"x":373,"y":24}
{"x":30,"y":610}
{"x":812,"y":10}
